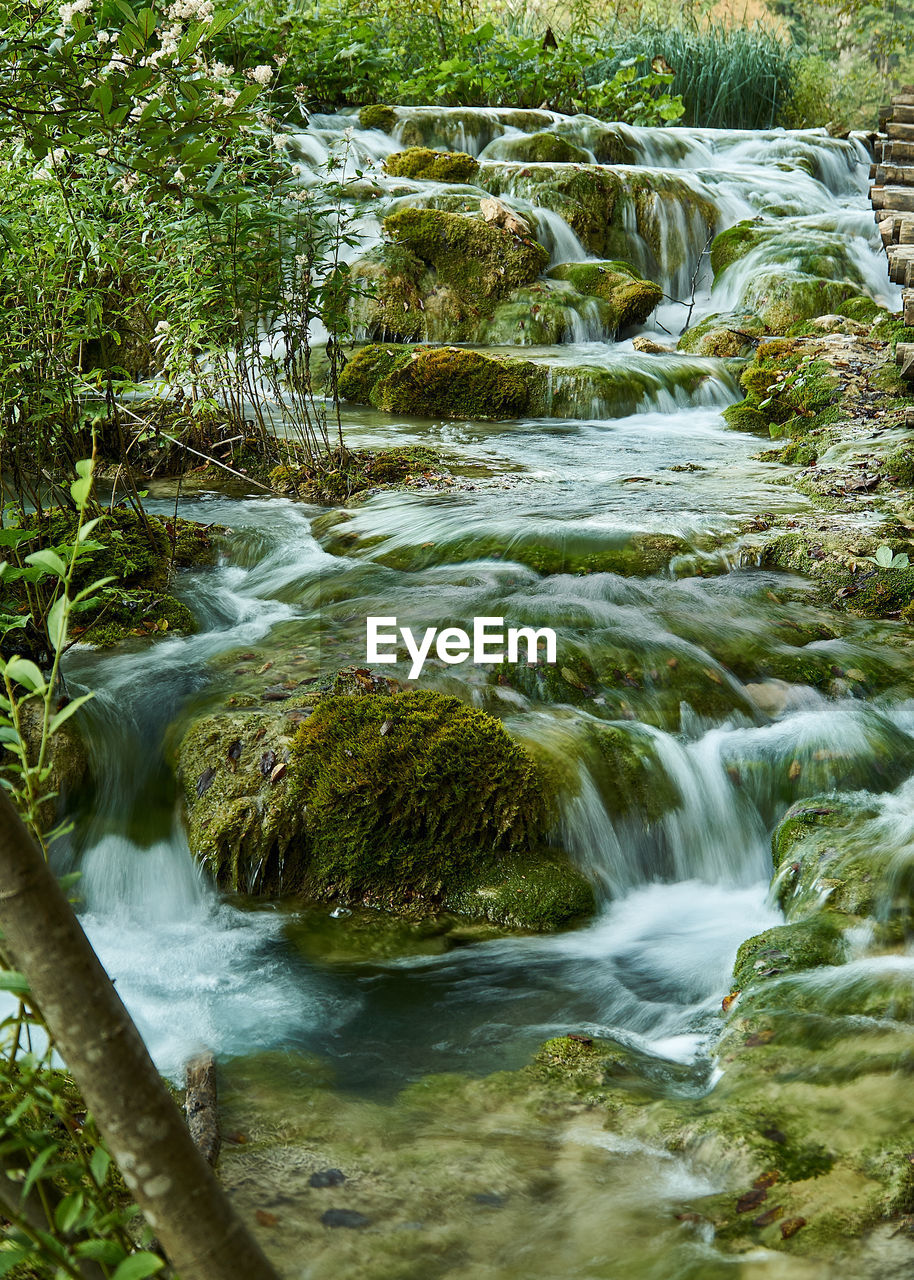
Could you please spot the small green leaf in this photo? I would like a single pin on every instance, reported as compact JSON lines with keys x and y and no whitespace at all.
{"x":884,"y":557}
{"x":49,"y":560}
{"x":57,"y":623}
{"x":24,"y":672}
{"x":67,"y":711}
{"x":10,"y":980}
{"x":138,"y":1266}
{"x":99,"y":1165}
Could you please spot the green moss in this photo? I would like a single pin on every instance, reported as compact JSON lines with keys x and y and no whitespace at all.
{"x":862,"y":308}
{"x":446,"y":782}
{"x":745,"y":417}
{"x":835,"y":847}
{"x":591,"y":200}
{"x":408,"y":801}
{"x":468,"y":254}
{"x":369,"y":366}
{"x":631,"y":777}
{"x":722,"y":335}
{"x":788,"y":948}
{"x":444,"y":381}
{"x":346,"y":474}
{"x":541,"y":148}
{"x":734,"y":243}
{"x":536,"y":891}
{"x":790,"y":392}
{"x":436,"y":166}
{"x":378,"y":117}
{"x":840,"y":577}
{"x":541,"y":315}
{"x":799,"y":453}
{"x":900,"y":465}
{"x":141,"y":555}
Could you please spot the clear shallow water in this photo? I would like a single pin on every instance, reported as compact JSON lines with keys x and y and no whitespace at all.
{"x":677,"y":895}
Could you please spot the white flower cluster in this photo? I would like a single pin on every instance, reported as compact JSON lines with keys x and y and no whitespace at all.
{"x":68,"y":11}
{"x":281,"y":140}
{"x":127,"y":183}
{"x":261,"y":75}
{"x":221,"y":71}
{"x":191,"y":11}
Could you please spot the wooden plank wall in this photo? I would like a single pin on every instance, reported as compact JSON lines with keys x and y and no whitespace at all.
{"x":892,"y":196}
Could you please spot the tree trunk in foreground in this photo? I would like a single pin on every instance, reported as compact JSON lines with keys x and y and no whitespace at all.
{"x":144,"y":1130}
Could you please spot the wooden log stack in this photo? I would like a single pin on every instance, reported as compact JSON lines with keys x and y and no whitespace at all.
{"x":892,"y":197}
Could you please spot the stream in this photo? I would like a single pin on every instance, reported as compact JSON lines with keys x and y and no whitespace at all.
{"x":646,"y":453}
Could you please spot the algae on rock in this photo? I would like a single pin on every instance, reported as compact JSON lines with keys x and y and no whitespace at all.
{"x":362,"y":793}
{"x":434,"y":166}
{"x":444,"y":381}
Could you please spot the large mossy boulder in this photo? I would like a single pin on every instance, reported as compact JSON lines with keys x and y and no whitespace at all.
{"x":436,"y":166}
{"x":544,"y":147}
{"x":439,"y":276}
{"x":467,"y":253}
{"x":444,"y":381}
{"x":367,"y":794}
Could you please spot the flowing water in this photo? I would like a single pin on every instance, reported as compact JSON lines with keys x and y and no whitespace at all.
{"x":643,"y":452}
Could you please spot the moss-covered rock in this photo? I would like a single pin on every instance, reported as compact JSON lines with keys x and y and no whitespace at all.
{"x":590,"y":199}
{"x":839,"y":849}
{"x":361,"y":793}
{"x":142,"y":554}
{"x":727,"y":334}
{"x":862,"y":308}
{"x":468,"y":254}
{"x":440,"y":276}
{"x":445,"y":381}
{"x":347,"y":473}
{"x":630,"y":298}
{"x":435,"y":166}
{"x":377,"y":116}
{"x":835,"y":564}
{"x":544,"y":147}
{"x":797,"y":274}
{"x":789,"y":948}
{"x":790,"y":391}
{"x":745,"y":417}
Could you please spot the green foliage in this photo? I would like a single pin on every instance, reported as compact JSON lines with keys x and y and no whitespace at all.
{"x":64,"y":1200}
{"x":345,"y":54}
{"x":727,"y":76}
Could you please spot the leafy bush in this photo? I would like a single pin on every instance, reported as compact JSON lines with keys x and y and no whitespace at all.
{"x":341,"y":55}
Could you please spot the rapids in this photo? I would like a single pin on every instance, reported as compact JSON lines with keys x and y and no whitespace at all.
{"x":640,"y":451}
